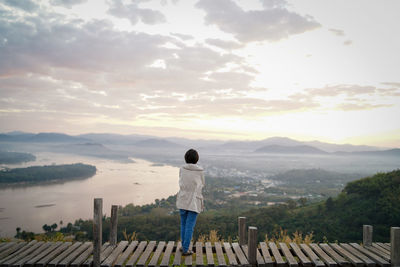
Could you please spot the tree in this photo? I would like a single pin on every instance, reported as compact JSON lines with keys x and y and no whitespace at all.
{"x":53,"y":226}
{"x":46,"y":228}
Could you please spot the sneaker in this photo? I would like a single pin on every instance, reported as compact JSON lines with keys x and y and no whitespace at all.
{"x":180,"y":249}
{"x":187,"y":253}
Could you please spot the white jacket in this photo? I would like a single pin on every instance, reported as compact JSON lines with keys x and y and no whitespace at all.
{"x":191,"y":182}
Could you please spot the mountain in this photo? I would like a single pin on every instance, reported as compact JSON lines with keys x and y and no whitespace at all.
{"x":157,"y":143}
{"x":395,"y":152}
{"x":41,"y":138}
{"x":302,"y":149}
{"x":114,"y":139}
{"x":285,"y":141}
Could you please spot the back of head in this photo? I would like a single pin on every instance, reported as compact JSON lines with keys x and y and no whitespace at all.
{"x":191,"y":156}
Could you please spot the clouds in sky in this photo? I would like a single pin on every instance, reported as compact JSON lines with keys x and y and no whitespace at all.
{"x":62,"y":69}
{"x":273,"y":23}
{"x":134,"y":13}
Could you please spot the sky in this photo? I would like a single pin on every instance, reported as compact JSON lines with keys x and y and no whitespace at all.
{"x":325,"y":70}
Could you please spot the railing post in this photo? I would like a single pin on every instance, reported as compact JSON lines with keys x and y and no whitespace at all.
{"x":113,"y":226}
{"x":252,"y":245}
{"x":242,"y":230}
{"x":97,"y":230}
{"x":395,"y":246}
{"x":367,"y":235}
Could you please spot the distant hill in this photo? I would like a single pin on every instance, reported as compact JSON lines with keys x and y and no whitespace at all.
{"x":372,"y":200}
{"x":157,"y":143}
{"x":390,"y":152}
{"x":288,"y":142}
{"x":302,"y":149}
{"x":41,"y":138}
{"x":93,"y":150}
{"x":15,"y":157}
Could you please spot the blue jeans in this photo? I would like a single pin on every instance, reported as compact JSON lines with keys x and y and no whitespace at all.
{"x":188,"y":221}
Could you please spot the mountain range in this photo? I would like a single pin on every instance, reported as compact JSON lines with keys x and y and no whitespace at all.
{"x":282,"y":145}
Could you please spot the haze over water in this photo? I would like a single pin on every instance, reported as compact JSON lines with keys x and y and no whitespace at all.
{"x":117,"y":183}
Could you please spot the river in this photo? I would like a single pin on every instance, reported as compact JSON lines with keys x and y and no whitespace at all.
{"x":30,"y":207}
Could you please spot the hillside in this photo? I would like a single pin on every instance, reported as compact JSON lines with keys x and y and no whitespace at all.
{"x":373,"y":200}
{"x":303,"y":149}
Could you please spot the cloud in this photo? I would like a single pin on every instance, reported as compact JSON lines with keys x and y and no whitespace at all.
{"x":342,"y":89}
{"x":360,"y":106}
{"x":26,"y":5}
{"x":348,"y":42}
{"x":337,"y":32}
{"x":270,"y":24}
{"x":67,"y":3}
{"x":134,"y":13}
{"x":181,"y":36}
{"x":352,"y":96}
{"x":227,"y":45}
{"x":52,"y":66}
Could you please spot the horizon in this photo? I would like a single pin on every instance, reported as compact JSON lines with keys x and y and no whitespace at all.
{"x":203,"y":69}
{"x":197,"y":139}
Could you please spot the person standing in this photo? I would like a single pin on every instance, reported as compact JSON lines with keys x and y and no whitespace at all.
{"x":189,"y":200}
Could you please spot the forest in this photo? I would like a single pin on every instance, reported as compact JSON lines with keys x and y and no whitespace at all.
{"x":372,"y":200}
{"x":15,"y":157}
{"x":46,"y":173}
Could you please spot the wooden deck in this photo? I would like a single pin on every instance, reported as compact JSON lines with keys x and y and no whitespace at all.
{"x":153,"y":253}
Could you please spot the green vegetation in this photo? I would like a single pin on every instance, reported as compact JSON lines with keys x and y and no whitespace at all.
{"x":47,"y":173}
{"x":373,"y":200}
{"x":15,"y":157}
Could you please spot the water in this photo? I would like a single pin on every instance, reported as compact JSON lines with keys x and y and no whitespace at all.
{"x":31,"y":207}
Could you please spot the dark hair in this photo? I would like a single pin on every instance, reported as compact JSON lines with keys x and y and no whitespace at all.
{"x":191,"y":156}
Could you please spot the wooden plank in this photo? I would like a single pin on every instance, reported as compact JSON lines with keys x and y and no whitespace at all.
{"x":167,"y":254}
{"x":7,"y":245}
{"x":122,"y":258}
{"x":303,"y":258}
{"x":17,"y":250}
{"x":74,"y":254}
{"x":275,"y":253}
{"x":47,"y":251}
{"x":353,"y":259}
{"x":325,"y":258}
{"x":136,"y":254}
{"x":189,"y":259}
{"x":386,"y":247}
{"x":178,"y":254}
{"x":83,"y":257}
{"x":10,"y":250}
{"x":19,"y":255}
{"x":365,"y":259}
{"x":239,"y":254}
{"x":220,"y":254}
{"x":105,"y":251}
{"x":32,"y":254}
{"x":336,"y":257}
{"x":61,"y":256}
{"x":45,"y":260}
{"x":265,"y":253}
{"x":146,"y":254}
{"x":157,"y":253}
{"x":260,"y":260}
{"x":108,"y":262}
{"x":379,"y":251}
{"x":199,"y":254}
{"x":289,"y":257}
{"x":379,"y":260}
{"x":229,"y":253}
{"x":313,"y":257}
{"x":209,"y":254}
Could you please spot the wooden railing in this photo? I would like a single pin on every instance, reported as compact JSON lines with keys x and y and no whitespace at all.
{"x":250,"y":244}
